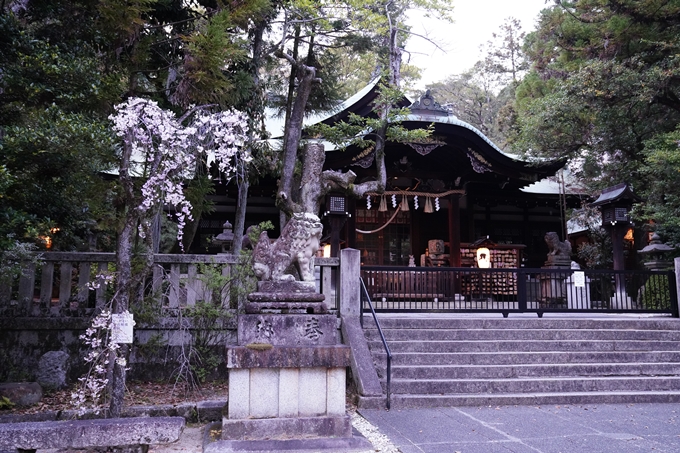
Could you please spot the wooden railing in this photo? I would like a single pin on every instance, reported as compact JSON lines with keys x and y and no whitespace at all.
{"x":74,"y":284}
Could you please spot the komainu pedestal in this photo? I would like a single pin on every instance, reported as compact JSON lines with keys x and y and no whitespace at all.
{"x":287,"y":375}
{"x":553,"y":287}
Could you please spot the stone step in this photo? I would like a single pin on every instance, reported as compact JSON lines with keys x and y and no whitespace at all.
{"x":533,"y":385}
{"x":527,"y":357}
{"x":525,"y":345}
{"x":535,"y":370}
{"x":484,"y":361}
{"x":521,"y":334}
{"x":406,"y":322}
{"x":525,"y":399}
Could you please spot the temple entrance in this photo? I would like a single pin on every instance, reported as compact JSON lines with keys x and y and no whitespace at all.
{"x":384,"y":237}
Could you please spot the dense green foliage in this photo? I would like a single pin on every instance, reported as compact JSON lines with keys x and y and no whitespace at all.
{"x":604,"y":91}
{"x":661,"y":173}
{"x":54,"y":135}
{"x":65,"y":64}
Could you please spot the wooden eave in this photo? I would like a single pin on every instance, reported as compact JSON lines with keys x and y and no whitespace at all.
{"x":615,"y":194}
{"x":463,"y":152}
{"x":362,"y":104}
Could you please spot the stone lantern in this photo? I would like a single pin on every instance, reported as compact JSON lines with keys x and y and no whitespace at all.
{"x":656,"y":252}
{"x":225,"y":238}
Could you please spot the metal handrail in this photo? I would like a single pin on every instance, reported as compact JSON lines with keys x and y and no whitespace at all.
{"x":382,"y":337}
{"x":520,"y":290}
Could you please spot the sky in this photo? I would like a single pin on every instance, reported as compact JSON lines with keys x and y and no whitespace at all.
{"x":475,"y":21}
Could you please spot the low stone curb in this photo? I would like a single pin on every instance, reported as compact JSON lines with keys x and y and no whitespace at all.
{"x":193,"y":412}
{"x":113,"y":432}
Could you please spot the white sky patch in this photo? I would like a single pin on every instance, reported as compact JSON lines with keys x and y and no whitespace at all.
{"x":458,"y":43}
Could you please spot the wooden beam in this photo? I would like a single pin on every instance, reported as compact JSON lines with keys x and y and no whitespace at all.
{"x":454,"y":229}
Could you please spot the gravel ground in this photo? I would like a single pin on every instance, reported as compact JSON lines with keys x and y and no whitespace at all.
{"x":380,"y":442}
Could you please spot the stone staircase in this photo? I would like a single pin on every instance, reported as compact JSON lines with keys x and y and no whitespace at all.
{"x":526,"y":361}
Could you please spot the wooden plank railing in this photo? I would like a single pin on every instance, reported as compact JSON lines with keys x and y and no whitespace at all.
{"x":69,"y":283}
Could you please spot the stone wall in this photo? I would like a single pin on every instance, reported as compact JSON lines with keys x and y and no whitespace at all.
{"x":23,"y":341}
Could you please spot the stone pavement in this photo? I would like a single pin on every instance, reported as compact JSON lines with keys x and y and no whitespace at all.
{"x":615,"y":428}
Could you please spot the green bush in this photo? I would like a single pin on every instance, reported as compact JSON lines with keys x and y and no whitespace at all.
{"x":655,"y":294}
{"x":5,"y":403}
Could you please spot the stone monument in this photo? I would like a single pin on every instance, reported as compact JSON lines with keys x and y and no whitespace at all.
{"x":434,"y":254}
{"x":578,"y":289}
{"x":287,"y":371}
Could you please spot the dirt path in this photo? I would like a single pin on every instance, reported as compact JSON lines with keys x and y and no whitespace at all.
{"x":190,"y":441}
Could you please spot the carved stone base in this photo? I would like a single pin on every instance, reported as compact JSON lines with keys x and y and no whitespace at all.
{"x":286,"y":287}
{"x":286,"y":428}
{"x":288,"y":357}
{"x":286,"y":297}
{"x":286,"y":392}
{"x":286,"y":307}
{"x":557,"y":262}
{"x":287,"y":375}
{"x":288,"y":330}
{"x":272,"y":392}
{"x":553,"y":290}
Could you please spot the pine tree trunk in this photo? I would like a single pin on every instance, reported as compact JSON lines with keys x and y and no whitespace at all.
{"x":255,"y":115}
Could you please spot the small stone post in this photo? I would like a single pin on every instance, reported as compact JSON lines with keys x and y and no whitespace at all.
{"x":361,"y":361}
{"x":350,"y":288}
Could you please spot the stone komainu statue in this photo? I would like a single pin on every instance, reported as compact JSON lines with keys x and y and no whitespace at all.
{"x":297,"y":244}
{"x":557,"y":247}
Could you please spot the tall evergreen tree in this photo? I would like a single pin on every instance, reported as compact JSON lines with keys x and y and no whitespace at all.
{"x":605,"y":78}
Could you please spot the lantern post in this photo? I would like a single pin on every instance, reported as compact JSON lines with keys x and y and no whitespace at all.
{"x":336,"y":211}
{"x":615,"y":204}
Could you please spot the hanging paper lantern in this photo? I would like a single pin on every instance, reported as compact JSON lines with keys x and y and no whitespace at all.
{"x":368,"y":202}
{"x":415,"y":202}
{"x":428,"y":205}
{"x":383,"y":204}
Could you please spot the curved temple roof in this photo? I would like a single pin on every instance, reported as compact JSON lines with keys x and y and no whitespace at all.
{"x":463,"y":149}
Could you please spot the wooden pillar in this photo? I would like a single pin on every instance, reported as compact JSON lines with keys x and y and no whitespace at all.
{"x":471,"y":219}
{"x":337,"y":223}
{"x":351,"y":234}
{"x":526,"y":232}
{"x":417,"y":247}
{"x":454,"y":230}
{"x":618,"y":232}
